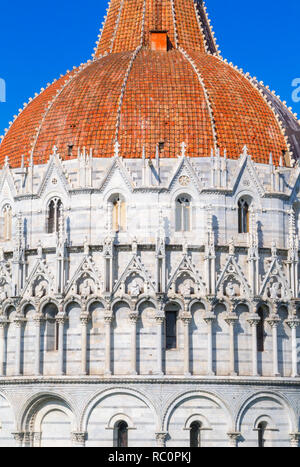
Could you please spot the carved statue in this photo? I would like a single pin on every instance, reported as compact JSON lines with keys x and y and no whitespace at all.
{"x":86,"y":289}
{"x":275,"y":291}
{"x":186,"y":288}
{"x":86,"y":247}
{"x":134,"y":246}
{"x":274,"y":249}
{"x":134,"y":288}
{"x":231,"y":246}
{"x":40,"y":249}
{"x":40,"y":290}
{"x":230,"y":290}
{"x":3,"y":294}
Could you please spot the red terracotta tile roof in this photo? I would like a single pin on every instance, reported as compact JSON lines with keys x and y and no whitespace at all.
{"x":143,"y":97}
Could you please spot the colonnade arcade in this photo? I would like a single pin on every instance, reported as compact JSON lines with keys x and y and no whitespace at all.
{"x":47,"y":325}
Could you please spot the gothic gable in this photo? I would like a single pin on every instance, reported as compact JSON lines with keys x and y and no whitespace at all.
{"x":86,"y":281}
{"x":55,"y":177}
{"x":7,"y":184}
{"x":40,"y":282}
{"x":232,"y":282}
{"x":135,"y":280}
{"x":246,"y":175}
{"x":186,"y":280}
{"x":275,"y":284}
{"x":184,"y":174}
{"x":117,"y":172}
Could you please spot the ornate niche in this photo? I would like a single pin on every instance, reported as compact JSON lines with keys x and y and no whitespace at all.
{"x":4,"y":288}
{"x":185,"y":285}
{"x":275,"y":289}
{"x":134,"y":285}
{"x":40,"y":287}
{"x":232,"y":287}
{"x":85,"y":285}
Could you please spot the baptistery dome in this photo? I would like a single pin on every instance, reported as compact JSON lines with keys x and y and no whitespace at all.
{"x":149,"y":248}
{"x":156,"y":79}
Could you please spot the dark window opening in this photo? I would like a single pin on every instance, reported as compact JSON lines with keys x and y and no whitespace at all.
{"x":243,"y":216}
{"x":161,"y":146}
{"x":261,"y":434}
{"x":51,"y":328}
{"x":261,"y":331}
{"x":54,"y":214}
{"x":122,"y":435}
{"x":183,"y":214}
{"x":171,"y":330}
{"x":70,"y":149}
{"x":195,"y":435}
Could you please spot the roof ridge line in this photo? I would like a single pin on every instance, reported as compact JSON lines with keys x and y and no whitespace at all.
{"x":206,"y":95}
{"x":51,"y":103}
{"x":174,"y":23}
{"x":200,"y":7}
{"x":123,"y":89}
{"x":116,"y":27}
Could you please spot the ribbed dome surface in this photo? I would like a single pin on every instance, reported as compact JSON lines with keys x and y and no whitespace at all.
{"x":142,"y":98}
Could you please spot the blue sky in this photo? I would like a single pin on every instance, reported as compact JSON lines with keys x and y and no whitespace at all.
{"x":41,"y":40}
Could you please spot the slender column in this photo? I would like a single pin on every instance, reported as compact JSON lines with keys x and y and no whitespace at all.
{"x":293,"y":324}
{"x":233,"y":439}
{"x":3,"y":324}
{"x":36,"y":439}
{"x":84,"y":319}
{"x":294,"y":440}
{"x":108,"y":318}
{"x":160,"y":319}
{"x":186,"y":319}
{"x":274,"y":321}
{"x":18,"y":327}
{"x":133,"y":320}
{"x":61,"y":319}
{"x":38,"y":318}
{"x":161,"y":439}
{"x":209,"y":319}
{"x":231,"y":320}
{"x":254,"y":320}
{"x":27,"y":441}
{"x":78,"y":439}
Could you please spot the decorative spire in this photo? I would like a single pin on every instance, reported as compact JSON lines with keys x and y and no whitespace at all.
{"x":130,"y":24}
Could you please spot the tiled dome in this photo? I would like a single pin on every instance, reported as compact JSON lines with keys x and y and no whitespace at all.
{"x":156,"y":81}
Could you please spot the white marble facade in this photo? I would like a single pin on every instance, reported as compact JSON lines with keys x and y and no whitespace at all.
{"x":83,"y":309}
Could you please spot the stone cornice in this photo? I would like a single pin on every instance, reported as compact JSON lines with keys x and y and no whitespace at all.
{"x":202,"y":380}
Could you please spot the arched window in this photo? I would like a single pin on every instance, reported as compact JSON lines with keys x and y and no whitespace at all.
{"x":51,"y":328}
{"x":195,"y":435}
{"x":54,"y":214}
{"x":243,"y":206}
{"x":7,"y":222}
{"x":183,"y":214}
{"x":261,"y":331}
{"x":171,"y":330}
{"x":122,"y":435}
{"x":118,"y":213}
{"x":261,"y":430}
